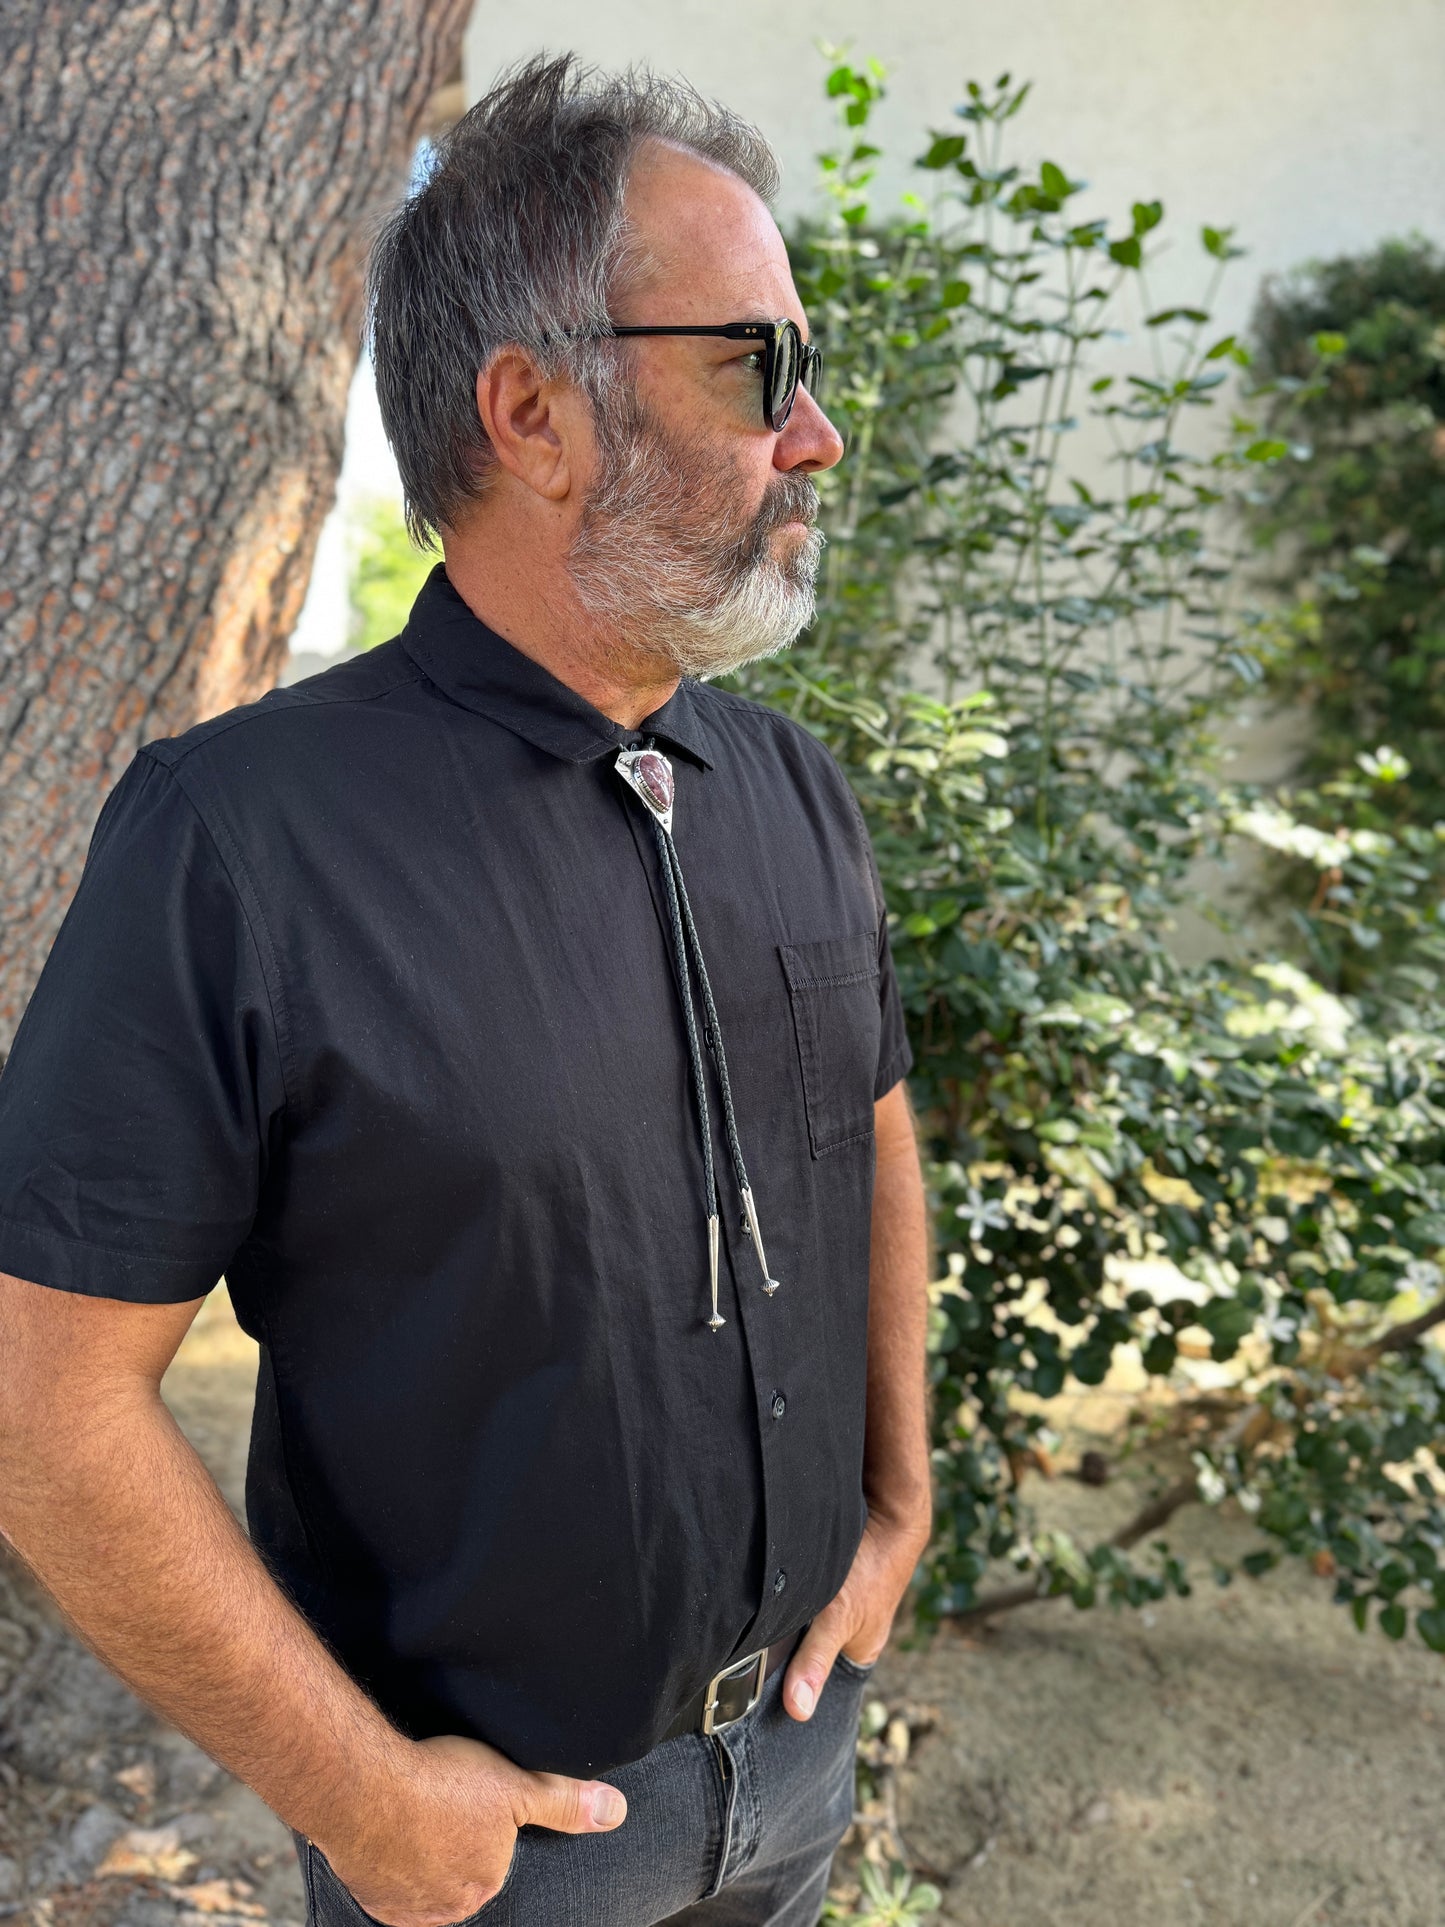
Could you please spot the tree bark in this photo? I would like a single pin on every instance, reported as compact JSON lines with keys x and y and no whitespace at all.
{"x":188,"y":187}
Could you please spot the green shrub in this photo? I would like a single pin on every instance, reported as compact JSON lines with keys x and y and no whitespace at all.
{"x":1357,"y":531}
{"x":385,"y":574}
{"x":1024,"y":667}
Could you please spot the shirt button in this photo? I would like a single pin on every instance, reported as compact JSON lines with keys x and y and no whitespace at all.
{"x":780,"y":1581}
{"x":780,"y":1405}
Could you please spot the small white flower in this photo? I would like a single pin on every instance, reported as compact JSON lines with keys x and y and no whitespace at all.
{"x":983,"y":1214}
{"x":1212,"y":1488}
{"x":1386,"y":765}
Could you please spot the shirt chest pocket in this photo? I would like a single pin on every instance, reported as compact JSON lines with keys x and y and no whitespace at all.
{"x":833,"y":988}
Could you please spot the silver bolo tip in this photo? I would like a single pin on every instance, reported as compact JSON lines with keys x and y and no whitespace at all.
{"x":717,"y":1321}
{"x":770,"y":1284}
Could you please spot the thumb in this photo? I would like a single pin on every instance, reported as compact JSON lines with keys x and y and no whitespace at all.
{"x":810,"y":1666}
{"x":569,"y":1806}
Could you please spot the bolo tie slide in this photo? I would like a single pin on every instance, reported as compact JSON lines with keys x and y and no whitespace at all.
{"x":648,"y":773}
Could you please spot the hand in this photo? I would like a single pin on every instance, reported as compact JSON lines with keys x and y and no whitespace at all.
{"x":444,"y":1849}
{"x":858,"y":1620}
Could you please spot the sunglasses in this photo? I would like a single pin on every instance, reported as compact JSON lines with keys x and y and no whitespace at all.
{"x":787,"y":359}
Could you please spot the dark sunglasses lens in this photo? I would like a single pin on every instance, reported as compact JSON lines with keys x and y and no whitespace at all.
{"x":813,"y":373}
{"x":785,"y":376}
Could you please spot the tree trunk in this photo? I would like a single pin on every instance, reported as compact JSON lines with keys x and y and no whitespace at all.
{"x":188,"y":186}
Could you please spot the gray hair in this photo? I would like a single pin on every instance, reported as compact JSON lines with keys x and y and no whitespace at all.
{"x":516,"y":235}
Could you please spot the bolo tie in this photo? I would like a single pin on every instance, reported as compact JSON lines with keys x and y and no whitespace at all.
{"x":648,"y":773}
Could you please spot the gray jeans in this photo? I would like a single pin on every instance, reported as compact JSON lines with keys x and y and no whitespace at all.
{"x":733,"y":1830}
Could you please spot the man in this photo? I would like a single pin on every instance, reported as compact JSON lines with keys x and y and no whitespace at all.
{"x":509,"y":1015}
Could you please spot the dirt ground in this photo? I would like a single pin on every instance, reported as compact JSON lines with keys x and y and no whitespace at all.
{"x":1241,"y":1757}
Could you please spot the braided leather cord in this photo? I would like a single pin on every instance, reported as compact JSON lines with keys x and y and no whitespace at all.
{"x":729,"y":1121}
{"x":685,"y":988}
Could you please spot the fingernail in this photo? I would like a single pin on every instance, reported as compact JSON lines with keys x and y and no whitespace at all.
{"x":804,"y":1698}
{"x":608,"y":1806}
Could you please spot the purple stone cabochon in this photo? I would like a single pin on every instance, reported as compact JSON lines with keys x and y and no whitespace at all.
{"x":654,"y":772}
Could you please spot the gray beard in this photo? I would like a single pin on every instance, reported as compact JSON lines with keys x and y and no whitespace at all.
{"x":653,"y":561}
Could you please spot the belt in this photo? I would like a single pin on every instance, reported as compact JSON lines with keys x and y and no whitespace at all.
{"x":733,"y":1690}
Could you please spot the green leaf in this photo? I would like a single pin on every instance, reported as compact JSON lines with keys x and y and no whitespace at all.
{"x":1127,"y":253}
{"x":1160,"y":1355}
{"x":946,"y":149}
{"x":955,"y":293}
{"x":1048,"y":1378}
{"x":1228,"y":1322}
{"x":1147,"y":215}
{"x":1055,"y":182}
{"x":1266,"y":450}
{"x":1430,"y":1624}
{"x":1393,"y":1620}
{"x":1217,"y":242}
{"x":1284,"y":1513}
{"x":1089,"y":1363}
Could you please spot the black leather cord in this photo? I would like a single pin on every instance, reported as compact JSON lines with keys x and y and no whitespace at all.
{"x":685,"y":989}
{"x":729,"y":1121}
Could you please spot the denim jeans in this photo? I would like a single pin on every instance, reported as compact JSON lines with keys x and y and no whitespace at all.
{"x":736,"y":1829}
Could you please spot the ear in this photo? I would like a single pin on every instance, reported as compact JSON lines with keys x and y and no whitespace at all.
{"x":531,"y":421}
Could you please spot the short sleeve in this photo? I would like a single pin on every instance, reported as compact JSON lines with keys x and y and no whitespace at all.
{"x":895,"y":1054}
{"x":145,"y":1079}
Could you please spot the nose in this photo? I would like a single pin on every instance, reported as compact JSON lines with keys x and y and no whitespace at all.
{"x":808,"y":441}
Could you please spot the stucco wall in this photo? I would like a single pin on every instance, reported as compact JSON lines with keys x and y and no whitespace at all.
{"x":1314,"y":126}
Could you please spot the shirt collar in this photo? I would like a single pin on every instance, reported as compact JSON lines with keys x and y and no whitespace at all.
{"x":479,"y":669}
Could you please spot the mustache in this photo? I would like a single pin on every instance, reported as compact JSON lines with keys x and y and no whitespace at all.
{"x":791,"y":498}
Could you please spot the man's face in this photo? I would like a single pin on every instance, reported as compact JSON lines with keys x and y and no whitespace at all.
{"x":696,"y":541}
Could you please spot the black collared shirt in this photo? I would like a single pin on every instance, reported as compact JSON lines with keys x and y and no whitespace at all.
{"x":367,"y":1000}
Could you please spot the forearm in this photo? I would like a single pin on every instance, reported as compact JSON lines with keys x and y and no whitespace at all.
{"x":125,"y":1528}
{"x":896,"y":1450}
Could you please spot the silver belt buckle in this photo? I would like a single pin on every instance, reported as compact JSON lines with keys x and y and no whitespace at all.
{"x":756,"y":1664}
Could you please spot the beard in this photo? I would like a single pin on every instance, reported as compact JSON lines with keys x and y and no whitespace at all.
{"x":663,"y":559}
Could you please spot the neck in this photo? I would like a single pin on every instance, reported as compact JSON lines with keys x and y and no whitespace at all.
{"x":527,"y":598}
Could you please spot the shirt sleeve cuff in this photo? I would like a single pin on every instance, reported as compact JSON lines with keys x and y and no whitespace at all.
{"x":47,"y":1257}
{"x":896,"y":1067}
